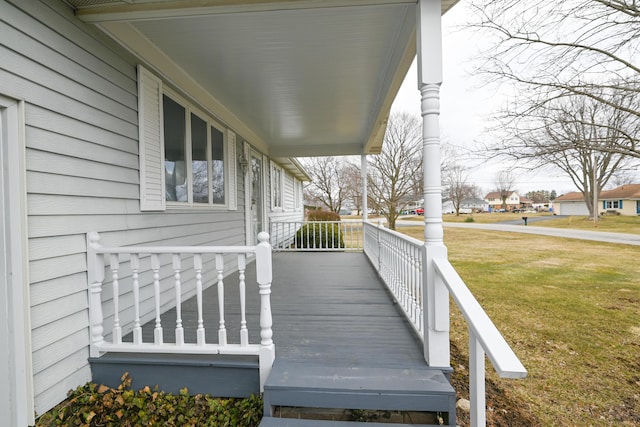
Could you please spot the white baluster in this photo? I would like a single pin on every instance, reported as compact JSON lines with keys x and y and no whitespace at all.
{"x":178,"y":287}
{"x":95,"y":271}
{"x":135,"y":268}
{"x":222,"y":329}
{"x":197,"y":266}
{"x":477,"y":392}
{"x":155,"y":266}
{"x":244,"y":332}
{"x":117,"y":330}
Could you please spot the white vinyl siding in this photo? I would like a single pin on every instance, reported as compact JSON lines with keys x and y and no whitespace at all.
{"x":290,"y":212}
{"x":80,"y":92}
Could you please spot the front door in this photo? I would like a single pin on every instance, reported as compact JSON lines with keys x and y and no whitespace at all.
{"x":638,"y":207}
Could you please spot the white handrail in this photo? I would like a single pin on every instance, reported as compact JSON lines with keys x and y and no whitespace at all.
{"x":502,"y":357}
{"x":96,"y":274}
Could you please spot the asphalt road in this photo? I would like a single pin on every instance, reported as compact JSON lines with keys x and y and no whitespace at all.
{"x":510,"y":226}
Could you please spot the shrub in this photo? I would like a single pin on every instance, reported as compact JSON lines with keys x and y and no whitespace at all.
{"x":320,"y":235}
{"x":323,"y":216}
{"x":92,"y":405}
{"x":469,"y":219}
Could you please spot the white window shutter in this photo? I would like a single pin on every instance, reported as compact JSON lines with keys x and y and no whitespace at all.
{"x":232,"y":175}
{"x":151,"y":141}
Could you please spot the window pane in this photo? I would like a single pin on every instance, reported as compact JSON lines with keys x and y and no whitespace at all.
{"x":174,"y":151}
{"x":217,"y":165}
{"x":277,"y":187}
{"x":199,"y":167}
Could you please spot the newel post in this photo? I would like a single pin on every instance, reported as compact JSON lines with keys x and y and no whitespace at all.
{"x":264,"y":277}
{"x":435,"y":294}
{"x":95,"y":276}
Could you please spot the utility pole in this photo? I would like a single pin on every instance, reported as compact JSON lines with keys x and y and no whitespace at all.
{"x":595,"y":190}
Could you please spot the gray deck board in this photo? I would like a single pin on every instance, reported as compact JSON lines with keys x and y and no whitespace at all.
{"x":328,"y":308}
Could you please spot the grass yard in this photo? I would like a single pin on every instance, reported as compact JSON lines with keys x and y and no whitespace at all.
{"x":570,"y":309}
{"x":616,"y":224}
{"x":492,"y":218}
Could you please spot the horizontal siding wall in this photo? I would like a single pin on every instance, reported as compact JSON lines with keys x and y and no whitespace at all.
{"x":82,"y":175}
{"x":289,"y":211}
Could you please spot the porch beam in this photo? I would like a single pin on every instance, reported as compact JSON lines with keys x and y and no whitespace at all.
{"x":435,"y":295}
{"x":188,"y":8}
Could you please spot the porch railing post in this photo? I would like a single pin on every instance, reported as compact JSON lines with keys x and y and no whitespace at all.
{"x":264,"y":276}
{"x":435,"y":295}
{"x":95,"y":273}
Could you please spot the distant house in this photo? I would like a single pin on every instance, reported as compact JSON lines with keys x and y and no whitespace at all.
{"x":467,"y":205}
{"x":570,"y":204}
{"x":514,"y":201}
{"x":623,"y":200}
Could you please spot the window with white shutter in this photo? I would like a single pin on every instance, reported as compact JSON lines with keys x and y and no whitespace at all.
{"x":187,"y":159}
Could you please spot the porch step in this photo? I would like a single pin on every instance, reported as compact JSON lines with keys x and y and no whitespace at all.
{"x":217,"y":375}
{"x":301,"y":385}
{"x":291,"y":422}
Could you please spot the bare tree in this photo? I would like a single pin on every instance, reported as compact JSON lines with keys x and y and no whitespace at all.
{"x":328,"y":186}
{"x":573,"y":134}
{"x":353,"y":189}
{"x":505,"y":182}
{"x":455,"y":180}
{"x":393,"y":172}
{"x":555,"y":49}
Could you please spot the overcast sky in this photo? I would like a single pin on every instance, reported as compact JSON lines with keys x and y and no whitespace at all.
{"x":465,"y":105}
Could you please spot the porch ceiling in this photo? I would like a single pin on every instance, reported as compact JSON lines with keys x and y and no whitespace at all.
{"x":294,"y":77}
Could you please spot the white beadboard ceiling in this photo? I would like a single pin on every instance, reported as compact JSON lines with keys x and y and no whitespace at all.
{"x":306,"y":77}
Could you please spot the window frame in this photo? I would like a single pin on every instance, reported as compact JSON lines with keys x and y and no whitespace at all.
{"x":277,"y":170}
{"x":210,"y":123}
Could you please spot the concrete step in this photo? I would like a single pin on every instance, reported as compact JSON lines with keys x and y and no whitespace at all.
{"x":217,"y":375}
{"x":290,"y":422}
{"x":302,"y":385}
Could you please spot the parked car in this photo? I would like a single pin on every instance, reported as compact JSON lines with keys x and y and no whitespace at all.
{"x":417,"y":211}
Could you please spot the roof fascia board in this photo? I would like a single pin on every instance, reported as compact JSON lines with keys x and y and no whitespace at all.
{"x":152,"y":57}
{"x":186,"y":8}
{"x":294,"y":167}
{"x":317,"y":150}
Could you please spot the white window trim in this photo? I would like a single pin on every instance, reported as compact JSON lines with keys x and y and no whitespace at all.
{"x":151,"y":133}
{"x":297,"y":193}
{"x":20,"y":369}
{"x":274,"y":208}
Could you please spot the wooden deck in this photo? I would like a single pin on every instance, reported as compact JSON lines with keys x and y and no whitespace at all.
{"x":328,"y":309}
{"x":340,"y":341}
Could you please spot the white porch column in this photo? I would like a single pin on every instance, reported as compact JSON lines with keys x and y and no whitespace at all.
{"x":435,"y":295}
{"x":364,"y":173}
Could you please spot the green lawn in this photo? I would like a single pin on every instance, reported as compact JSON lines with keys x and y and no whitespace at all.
{"x":571,"y":311}
{"x":617,"y":224}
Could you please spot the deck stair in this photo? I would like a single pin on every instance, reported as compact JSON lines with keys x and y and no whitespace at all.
{"x":301,"y":385}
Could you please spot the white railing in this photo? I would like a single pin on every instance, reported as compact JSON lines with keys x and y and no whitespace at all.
{"x":484,"y":338}
{"x":402,"y":264}
{"x":182,"y":262}
{"x":325,"y":236}
{"x":399,"y":260}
